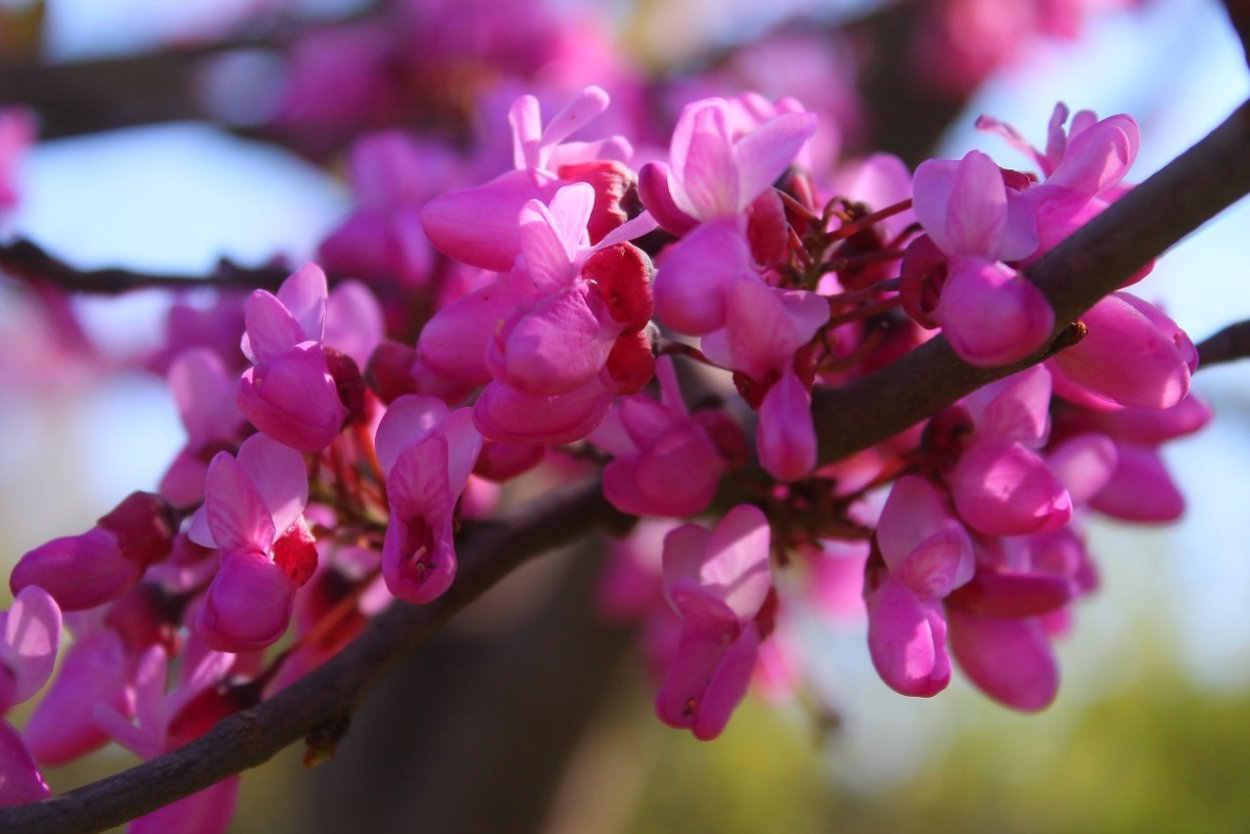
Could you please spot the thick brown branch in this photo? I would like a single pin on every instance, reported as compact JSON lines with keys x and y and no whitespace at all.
{"x":1093,"y":262}
{"x":249,"y":738}
{"x":1228,"y":345}
{"x":28,"y":261}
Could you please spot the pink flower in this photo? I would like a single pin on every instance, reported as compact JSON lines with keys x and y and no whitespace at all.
{"x":102,"y":564}
{"x":785,"y":436}
{"x":477,"y":226}
{"x":382,"y":241}
{"x":289,"y":393}
{"x":1094,"y":373}
{"x":427,"y":454}
{"x":722,"y":160}
{"x":252,"y":515}
{"x":991,"y":314}
{"x":926,"y":554}
{"x":1001,"y":486}
{"x":718,"y":583}
{"x":664,"y":461}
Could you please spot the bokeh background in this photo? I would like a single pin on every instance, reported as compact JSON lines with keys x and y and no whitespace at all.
{"x":494,"y":728}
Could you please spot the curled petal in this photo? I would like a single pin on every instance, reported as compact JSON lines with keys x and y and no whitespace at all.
{"x":1008,"y":595}
{"x":453,"y":343}
{"x":304,"y":296}
{"x":1005,"y":489}
{"x":1009,"y":660}
{"x":20,"y":779}
{"x":93,"y":671}
{"x":202,"y":388}
{"x":418,"y":557}
{"x":407,"y":421}
{"x":1140,"y":488}
{"x":248,"y":605}
{"x":786,"y":436}
{"x":353,"y":323}
{"x":32,"y":632}
{"x":991,"y":314}
{"x":976,"y":216}
{"x":657,"y":196}
{"x":79,"y":572}
{"x":294,"y":399}
{"x":478,"y":226}
{"x":706,"y":179}
{"x":765,"y":153}
{"x":736,"y":565}
{"x":695,"y":274}
{"x":504,"y":414}
{"x":557,"y":346}
{"x":1098,"y":158}
{"x":676,"y":475}
{"x":279,"y":476}
{"x":907,"y":641}
{"x":234,"y":510}
{"x":1094,"y":373}
{"x":1085,"y":463}
{"x":706,"y":681}
{"x":271,"y":329}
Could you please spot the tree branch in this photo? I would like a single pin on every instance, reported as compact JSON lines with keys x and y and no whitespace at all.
{"x":1230,"y":344}
{"x":1091,"y":263}
{"x":1096,"y":260}
{"x":1239,"y":15}
{"x":28,"y":261}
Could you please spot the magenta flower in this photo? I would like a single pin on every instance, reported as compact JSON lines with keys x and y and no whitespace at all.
{"x":721,"y":164}
{"x":722,"y":160}
{"x":427,"y":454}
{"x":1093,"y":373}
{"x":289,"y":393}
{"x":664,"y":461}
{"x":102,"y":564}
{"x":574,"y":302}
{"x":252,"y":516}
{"x":1001,"y":486}
{"x":927,"y":554}
{"x":477,"y":226}
{"x":991,"y":314}
{"x":718,"y":582}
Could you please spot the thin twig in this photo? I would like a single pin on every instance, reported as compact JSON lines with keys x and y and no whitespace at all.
{"x":1228,"y":345}
{"x":28,"y":261}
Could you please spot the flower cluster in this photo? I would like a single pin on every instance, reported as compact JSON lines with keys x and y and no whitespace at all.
{"x":663,"y":310}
